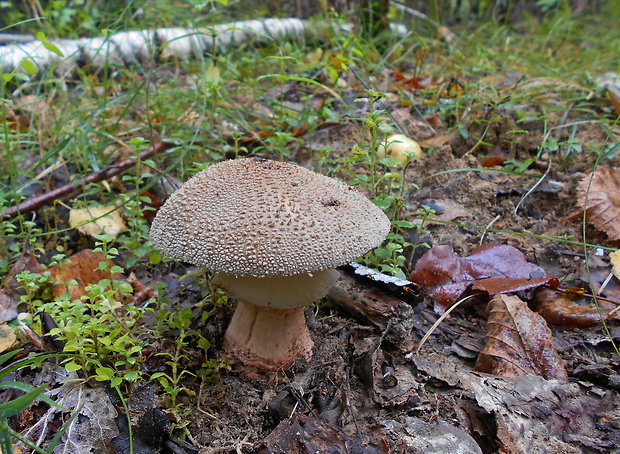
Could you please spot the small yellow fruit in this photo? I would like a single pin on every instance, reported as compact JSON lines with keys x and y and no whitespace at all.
{"x":401,"y":148}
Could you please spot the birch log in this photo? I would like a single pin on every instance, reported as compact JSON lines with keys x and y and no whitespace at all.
{"x":163,"y":44}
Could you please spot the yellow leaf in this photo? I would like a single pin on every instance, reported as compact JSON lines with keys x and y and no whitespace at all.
{"x":7,"y":337}
{"x":212,"y":75}
{"x":94,"y":221}
{"x":614,"y":258}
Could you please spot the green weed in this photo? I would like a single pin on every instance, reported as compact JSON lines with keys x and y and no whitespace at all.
{"x":101,"y":326}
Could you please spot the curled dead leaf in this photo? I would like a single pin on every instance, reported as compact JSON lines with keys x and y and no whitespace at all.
{"x":495,"y":285}
{"x":559,"y":310}
{"x":518,"y":342}
{"x":599,"y":195}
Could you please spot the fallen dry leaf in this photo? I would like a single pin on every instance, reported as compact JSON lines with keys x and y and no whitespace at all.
{"x":141,"y":292}
{"x":495,"y":285}
{"x":80,"y":267}
{"x":518,"y":342}
{"x":438,"y":140}
{"x":445,"y":276}
{"x":596,"y":276}
{"x":532,"y":415}
{"x":303,"y":434}
{"x":599,"y":194}
{"x":97,"y":220}
{"x":614,"y":97}
{"x":7,"y":337}
{"x":614,"y":259}
{"x":492,"y":161}
{"x":559,"y":310}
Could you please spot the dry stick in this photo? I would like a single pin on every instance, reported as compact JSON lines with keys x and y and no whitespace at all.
{"x":72,"y":189}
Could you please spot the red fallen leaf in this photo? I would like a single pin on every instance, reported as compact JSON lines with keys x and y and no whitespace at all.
{"x":599,"y":194}
{"x":435,"y":121}
{"x":518,"y":342}
{"x":445,"y":276}
{"x":81,"y":267}
{"x":18,"y":123}
{"x":495,"y":285}
{"x":492,"y":161}
{"x":300,"y":131}
{"x":397,"y":75}
{"x":559,"y":310}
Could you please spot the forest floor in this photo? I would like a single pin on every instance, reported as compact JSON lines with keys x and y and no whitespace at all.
{"x":510,"y":157}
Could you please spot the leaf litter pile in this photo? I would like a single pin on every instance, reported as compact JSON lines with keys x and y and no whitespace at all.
{"x":524,"y":358}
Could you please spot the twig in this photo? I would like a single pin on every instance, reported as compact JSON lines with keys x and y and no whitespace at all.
{"x":77,"y":187}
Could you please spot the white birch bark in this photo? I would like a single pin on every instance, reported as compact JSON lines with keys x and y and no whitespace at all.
{"x":141,"y":46}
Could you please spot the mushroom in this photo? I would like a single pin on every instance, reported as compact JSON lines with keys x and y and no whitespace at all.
{"x":273,"y":233}
{"x":401,"y":148}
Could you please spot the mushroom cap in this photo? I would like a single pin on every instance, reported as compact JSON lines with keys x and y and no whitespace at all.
{"x":401,"y":148}
{"x":257,"y":217}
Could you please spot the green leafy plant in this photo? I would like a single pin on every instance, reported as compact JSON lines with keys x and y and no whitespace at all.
{"x":174,"y":379}
{"x":386,"y":186}
{"x":100,"y":325}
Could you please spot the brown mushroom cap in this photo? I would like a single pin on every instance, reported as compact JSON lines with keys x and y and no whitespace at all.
{"x":263,"y":218}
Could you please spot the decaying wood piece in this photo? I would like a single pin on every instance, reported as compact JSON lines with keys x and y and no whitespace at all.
{"x":141,"y":46}
{"x":76,"y":187}
{"x":371,"y":306}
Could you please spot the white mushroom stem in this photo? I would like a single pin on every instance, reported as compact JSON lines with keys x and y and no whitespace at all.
{"x":268,"y":338}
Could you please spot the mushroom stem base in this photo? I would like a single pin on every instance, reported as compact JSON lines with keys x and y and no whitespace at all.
{"x":268,"y":338}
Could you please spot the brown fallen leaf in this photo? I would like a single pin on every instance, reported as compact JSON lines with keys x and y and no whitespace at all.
{"x":492,"y":161}
{"x":599,"y":195}
{"x":559,"y":310}
{"x":532,"y":415}
{"x":81,"y":267}
{"x":495,"y":285}
{"x":518,"y":342}
{"x":438,"y":140}
{"x":141,"y":292}
{"x":614,"y":97}
{"x":445,"y":276}
{"x":302,"y":434}
{"x":389,"y":384}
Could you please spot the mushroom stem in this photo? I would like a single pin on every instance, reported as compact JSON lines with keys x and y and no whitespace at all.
{"x":268,"y":338}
